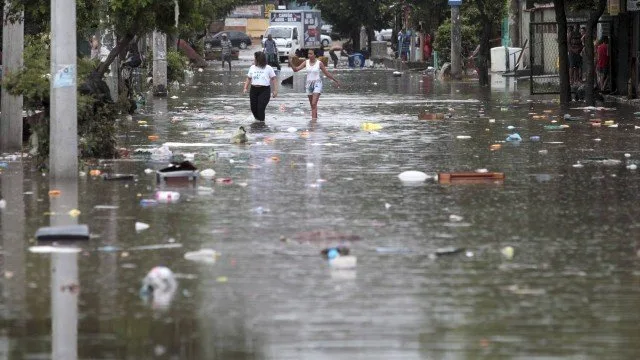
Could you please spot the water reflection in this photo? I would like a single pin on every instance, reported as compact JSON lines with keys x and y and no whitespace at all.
{"x":65,"y":284}
{"x":12,"y":258}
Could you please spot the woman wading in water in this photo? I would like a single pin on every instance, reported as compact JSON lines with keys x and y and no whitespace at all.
{"x":313,"y":86}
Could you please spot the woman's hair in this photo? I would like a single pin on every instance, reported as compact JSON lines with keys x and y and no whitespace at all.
{"x":261,"y":59}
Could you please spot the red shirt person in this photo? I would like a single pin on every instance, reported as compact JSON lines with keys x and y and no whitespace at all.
{"x":427,"y":47}
{"x":602,"y":65}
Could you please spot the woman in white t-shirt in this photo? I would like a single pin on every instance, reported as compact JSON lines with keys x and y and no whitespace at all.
{"x":314,"y":80}
{"x":259,"y":77}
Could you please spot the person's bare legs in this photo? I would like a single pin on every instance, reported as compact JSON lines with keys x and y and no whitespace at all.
{"x":313,"y":101}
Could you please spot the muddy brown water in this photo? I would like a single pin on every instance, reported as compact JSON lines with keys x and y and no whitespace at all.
{"x":571,"y":291}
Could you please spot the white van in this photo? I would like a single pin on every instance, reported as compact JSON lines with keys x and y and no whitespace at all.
{"x":293,"y":30}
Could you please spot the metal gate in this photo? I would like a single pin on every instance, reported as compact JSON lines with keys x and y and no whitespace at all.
{"x":544,"y":54}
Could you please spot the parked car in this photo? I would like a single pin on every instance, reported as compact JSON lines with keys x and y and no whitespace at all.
{"x":237,"y":38}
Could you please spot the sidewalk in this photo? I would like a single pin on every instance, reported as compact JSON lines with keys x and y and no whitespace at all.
{"x":621,"y":99}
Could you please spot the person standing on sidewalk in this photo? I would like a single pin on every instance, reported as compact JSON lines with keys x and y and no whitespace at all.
{"x":226,"y":50}
{"x":313,"y":85}
{"x":575,"y":59}
{"x":271,"y":50}
{"x":260,"y":76}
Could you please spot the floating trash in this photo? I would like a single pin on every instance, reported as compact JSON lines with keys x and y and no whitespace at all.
{"x":54,"y":249}
{"x":208,"y":173}
{"x":240,"y":137}
{"x":167,"y":196}
{"x":207,"y":256}
{"x":507,"y":252}
{"x":160,"y":286}
{"x":413,"y":176}
{"x":451,"y":250}
{"x":514,"y":137}
{"x":140,"y":226}
{"x":370,"y":126}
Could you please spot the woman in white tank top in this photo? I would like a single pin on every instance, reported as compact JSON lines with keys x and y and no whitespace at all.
{"x":313,"y":86}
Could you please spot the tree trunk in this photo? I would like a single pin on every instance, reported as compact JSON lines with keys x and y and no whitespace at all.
{"x":483,"y":54}
{"x":355,"y":38}
{"x":514,"y":22}
{"x":594,"y":16}
{"x":563,"y":56}
{"x":118,"y":50}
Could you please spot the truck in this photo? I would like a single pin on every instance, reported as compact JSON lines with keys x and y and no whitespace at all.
{"x":294,"y":31}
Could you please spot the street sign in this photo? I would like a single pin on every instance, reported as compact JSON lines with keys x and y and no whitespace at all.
{"x":614,"y":7}
{"x":455,"y":2}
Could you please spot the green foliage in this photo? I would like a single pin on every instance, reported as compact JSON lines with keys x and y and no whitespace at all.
{"x":582,"y":5}
{"x":442,"y":43}
{"x":176,"y":65}
{"x":33,"y":80}
{"x":348,"y":16}
{"x":96,"y":121}
{"x":132,"y":17}
{"x":471,"y":27}
{"x":432,"y":13}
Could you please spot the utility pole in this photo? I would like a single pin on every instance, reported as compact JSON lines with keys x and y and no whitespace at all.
{"x":63,"y":139}
{"x":11,"y":118}
{"x":456,"y":39}
{"x":159,"y":64}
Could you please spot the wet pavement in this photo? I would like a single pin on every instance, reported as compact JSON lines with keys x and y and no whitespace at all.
{"x":570,"y":291}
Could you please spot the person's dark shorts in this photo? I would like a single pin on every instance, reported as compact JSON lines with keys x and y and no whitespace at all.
{"x":226,"y":57}
{"x":575,"y":60}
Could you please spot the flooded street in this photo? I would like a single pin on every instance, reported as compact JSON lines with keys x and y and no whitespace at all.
{"x":570,"y":291}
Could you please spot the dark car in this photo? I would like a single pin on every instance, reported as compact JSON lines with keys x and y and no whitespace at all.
{"x":238,"y":39}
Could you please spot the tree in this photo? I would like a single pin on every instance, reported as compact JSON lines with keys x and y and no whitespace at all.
{"x":491,"y":14}
{"x":595,"y":9}
{"x":347,"y":17}
{"x":563,"y":56}
{"x":129,"y":18}
{"x":432,"y":13}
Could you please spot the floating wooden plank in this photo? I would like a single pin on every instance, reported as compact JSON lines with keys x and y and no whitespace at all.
{"x":470,"y":177}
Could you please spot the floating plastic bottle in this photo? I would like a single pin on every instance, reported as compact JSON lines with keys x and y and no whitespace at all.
{"x":167,"y":196}
{"x":413,"y":177}
{"x":514,"y":137}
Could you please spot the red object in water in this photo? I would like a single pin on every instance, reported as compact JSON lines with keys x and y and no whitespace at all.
{"x":470,"y":177}
{"x":427,"y":47}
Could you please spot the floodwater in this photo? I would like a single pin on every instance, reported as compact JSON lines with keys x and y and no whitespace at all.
{"x":571,"y":290}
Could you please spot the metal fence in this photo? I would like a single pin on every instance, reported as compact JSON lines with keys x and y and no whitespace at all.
{"x":544,"y":55}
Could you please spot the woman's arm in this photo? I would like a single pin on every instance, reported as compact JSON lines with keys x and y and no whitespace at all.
{"x":246,"y":85}
{"x":274,"y":86}
{"x":299,"y":67}
{"x":327,"y":73}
